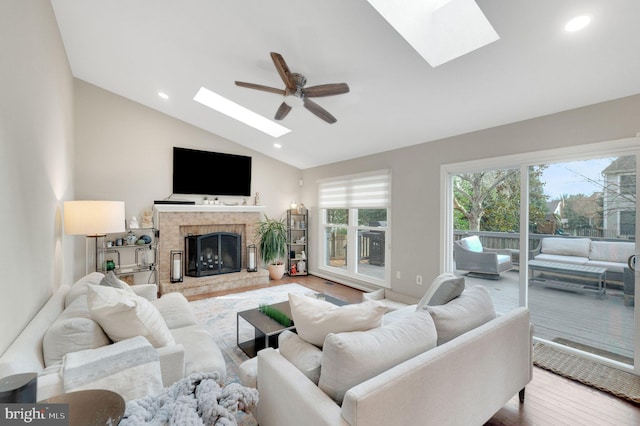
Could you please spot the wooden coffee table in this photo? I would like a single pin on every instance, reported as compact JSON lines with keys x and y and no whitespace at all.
{"x":266,"y":329}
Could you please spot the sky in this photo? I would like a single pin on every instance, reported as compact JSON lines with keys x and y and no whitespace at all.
{"x":570,"y":178}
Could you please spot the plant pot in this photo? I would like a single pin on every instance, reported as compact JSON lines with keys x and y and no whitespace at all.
{"x":276,"y":271}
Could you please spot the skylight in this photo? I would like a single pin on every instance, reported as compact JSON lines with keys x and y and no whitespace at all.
{"x":439,"y":30}
{"x":225,"y":106}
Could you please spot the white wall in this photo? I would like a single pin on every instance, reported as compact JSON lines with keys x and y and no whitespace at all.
{"x":36,"y":154}
{"x":416,"y":210}
{"x":124,"y":152}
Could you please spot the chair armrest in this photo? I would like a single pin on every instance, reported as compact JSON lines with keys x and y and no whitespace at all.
{"x":148,"y":291}
{"x":172,"y":363}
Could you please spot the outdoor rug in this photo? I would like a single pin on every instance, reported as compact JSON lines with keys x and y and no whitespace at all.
{"x":607,"y":379}
{"x":218,"y":315}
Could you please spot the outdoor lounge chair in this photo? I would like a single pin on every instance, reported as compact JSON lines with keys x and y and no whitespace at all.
{"x":479,"y":261}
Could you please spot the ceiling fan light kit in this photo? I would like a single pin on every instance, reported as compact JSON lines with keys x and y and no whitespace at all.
{"x":295,"y":94}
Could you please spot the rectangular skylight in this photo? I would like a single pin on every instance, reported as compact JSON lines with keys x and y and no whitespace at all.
{"x":439,"y":30}
{"x":225,"y":106}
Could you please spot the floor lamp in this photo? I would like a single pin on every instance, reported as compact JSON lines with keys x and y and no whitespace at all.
{"x":94,"y":219}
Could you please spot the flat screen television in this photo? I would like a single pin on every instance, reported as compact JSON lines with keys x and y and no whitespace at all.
{"x":210,"y":173}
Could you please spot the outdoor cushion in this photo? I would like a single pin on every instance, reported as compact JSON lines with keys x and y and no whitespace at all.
{"x":473,"y":308}
{"x":472,"y":243}
{"x":610,"y":251}
{"x":566,"y":246}
{"x":315,"y":318}
{"x":353,"y":357}
{"x":123,"y":315}
{"x":575,"y":260}
{"x":611,"y":266}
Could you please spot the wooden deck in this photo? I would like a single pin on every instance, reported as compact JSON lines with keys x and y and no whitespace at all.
{"x":603,"y":326}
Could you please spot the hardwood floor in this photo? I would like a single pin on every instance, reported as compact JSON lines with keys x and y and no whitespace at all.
{"x":550,"y":399}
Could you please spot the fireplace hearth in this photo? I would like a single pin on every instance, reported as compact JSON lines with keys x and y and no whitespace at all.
{"x":213,"y":254}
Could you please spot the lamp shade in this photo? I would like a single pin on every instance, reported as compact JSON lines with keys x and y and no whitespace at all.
{"x":93,"y":217}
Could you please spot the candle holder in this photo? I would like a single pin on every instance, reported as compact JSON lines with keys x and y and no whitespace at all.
{"x":176,"y":261}
{"x":252,"y":258}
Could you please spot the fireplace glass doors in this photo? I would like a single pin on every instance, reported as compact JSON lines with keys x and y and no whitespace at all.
{"x":212,"y":254}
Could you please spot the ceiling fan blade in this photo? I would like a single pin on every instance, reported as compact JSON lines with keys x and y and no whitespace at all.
{"x":326,"y":90}
{"x":282,"y":111}
{"x":261,"y":87}
{"x":283,"y":70}
{"x":319,"y":111}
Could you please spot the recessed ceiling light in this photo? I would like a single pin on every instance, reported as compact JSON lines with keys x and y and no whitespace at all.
{"x":277,"y":145}
{"x":163,"y":95}
{"x":221,"y":104}
{"x":577,"y":23}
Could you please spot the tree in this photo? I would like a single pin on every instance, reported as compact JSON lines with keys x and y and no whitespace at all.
{"x":490,"y":201}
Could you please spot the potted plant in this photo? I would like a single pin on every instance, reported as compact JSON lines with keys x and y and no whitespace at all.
{"x":272,"y":236}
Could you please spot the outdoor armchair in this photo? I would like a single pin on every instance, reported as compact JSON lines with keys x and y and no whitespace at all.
{"x":480,"y":261}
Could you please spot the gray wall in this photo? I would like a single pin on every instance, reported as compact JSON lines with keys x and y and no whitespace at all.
{"x":36,"y":155}
{"x":124,"y":152}
{"x":416,"y":211}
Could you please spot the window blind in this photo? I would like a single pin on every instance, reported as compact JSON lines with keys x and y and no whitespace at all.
{"x":367,"y":190}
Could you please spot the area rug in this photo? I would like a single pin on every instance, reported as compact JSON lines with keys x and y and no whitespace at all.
{"x":607,"y":379}
{"x":219,"y":316}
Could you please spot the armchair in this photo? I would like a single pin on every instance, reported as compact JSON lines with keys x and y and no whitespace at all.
{"x":480,"y":261}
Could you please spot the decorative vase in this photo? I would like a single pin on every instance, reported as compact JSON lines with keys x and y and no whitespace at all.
{"x":276,"y":271}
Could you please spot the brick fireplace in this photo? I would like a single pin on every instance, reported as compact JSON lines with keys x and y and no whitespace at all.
{"x":175,"y":222}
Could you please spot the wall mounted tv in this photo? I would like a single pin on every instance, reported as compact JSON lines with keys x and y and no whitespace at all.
{"x":210,"y":173}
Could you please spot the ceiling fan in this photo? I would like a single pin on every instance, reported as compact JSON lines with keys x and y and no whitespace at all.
{"x":296,"y":94}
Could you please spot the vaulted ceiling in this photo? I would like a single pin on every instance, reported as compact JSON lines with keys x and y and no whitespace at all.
{"x":139,"y":48}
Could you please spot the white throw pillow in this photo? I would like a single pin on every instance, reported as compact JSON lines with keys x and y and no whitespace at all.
{"x":305,"y":356}
{"x":315,"y":318}
{"x":79,"y":288}
{"x":444,"y":288}
{"x":349,"y":359}
{"x":72,"y":331}
{"x":123,"y":315}
{"x":472,"y":309}
{"x":472,"y":243}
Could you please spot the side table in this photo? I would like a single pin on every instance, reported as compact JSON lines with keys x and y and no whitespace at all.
{"x":91,"y":407}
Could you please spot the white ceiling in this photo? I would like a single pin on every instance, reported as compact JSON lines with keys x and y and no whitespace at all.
{"x":137,"y":48}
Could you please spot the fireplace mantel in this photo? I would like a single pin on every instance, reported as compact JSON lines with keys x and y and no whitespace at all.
{"x":175,"y":221}
{"x":214,"y":208}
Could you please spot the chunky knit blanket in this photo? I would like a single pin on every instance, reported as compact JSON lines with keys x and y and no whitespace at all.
{"x":194,"y":400}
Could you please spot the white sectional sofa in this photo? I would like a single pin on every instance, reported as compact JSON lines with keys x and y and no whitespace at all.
{"x":612,"y":255}
{"x":464,"y":380}
{"x":64,"y":329}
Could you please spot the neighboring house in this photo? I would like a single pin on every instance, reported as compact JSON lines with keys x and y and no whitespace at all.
{"x":619,"y":210}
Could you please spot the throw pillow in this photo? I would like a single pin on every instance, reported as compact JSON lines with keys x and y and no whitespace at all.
{"x":79,"y":288}
{"x":472,"y":309}
{"x":315,"y":318}
{"x":72,"y":331}
{"x":305,"y":356}
{"x":444,"y":288}
{"x":123,"y":315}
{"x":110,"y":280}
{"x":472,"y":243}
{"x":349,"y":359}
{"x":374,"y":295}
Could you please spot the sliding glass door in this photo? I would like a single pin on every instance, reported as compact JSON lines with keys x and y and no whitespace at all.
{"x":568,"y":248}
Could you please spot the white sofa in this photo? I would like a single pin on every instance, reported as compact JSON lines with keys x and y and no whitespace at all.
{"x":463,"y":381}
{"x":612,"y":255}
{"x":193,"y":349}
